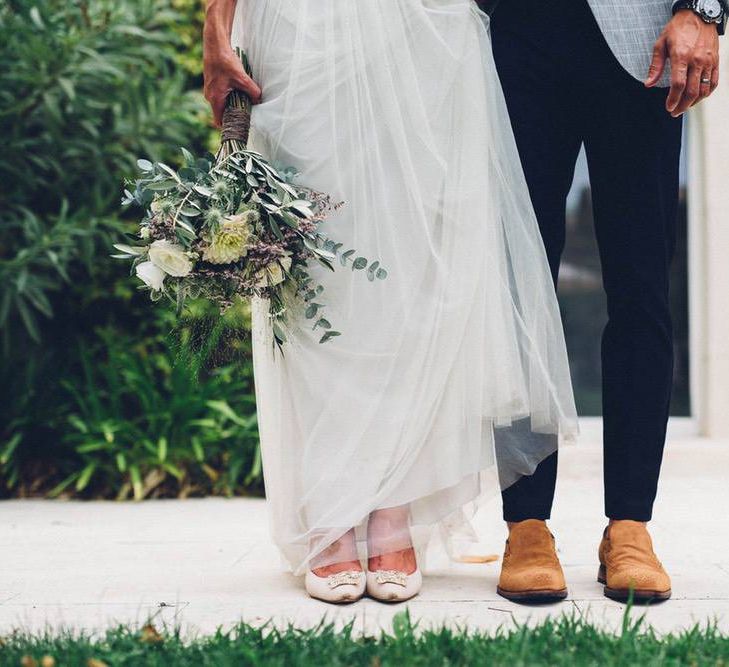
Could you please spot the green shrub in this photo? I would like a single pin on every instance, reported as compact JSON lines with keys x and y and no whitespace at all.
{"x":190,"y":33}
{"x":99,"y":397}
{"x":148,"y":428}
{"x":85,"y":88}
{"x":122,"y":400}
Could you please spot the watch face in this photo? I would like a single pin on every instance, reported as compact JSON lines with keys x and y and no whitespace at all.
{"x":711,"y":8}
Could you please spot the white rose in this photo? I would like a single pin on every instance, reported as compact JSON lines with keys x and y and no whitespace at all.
{"x":171,"y":258}
{"x":274,"y":274}
{"x":151,"y":275}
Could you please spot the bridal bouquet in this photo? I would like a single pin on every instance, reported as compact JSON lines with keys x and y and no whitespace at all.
{"x":232,"y":226}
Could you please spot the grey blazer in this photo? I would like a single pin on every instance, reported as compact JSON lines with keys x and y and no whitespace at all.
{"x":631,"y":28}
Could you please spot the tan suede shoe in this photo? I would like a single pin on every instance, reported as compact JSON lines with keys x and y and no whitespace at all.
{"x":627,"y":561}
{"x":531,"y":571}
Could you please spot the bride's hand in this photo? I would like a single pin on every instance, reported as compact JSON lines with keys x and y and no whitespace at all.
{"x":222,"y":69}
{"x":222,"y":73}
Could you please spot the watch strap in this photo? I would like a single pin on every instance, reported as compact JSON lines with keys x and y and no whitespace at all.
{"x":693,"y":5}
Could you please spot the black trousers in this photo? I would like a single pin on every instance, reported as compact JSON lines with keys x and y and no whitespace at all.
{"x":564,"y":88}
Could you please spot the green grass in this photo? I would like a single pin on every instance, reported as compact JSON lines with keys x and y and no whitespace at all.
{"x":566,"y":641}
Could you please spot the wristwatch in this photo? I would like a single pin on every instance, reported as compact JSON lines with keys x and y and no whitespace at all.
{"x":710,"y":11}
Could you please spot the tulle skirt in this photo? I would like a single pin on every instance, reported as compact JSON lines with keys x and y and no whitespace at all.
{"x":455,"y":361}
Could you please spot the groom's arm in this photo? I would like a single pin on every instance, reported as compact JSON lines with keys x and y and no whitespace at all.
{"x":692,"y":47}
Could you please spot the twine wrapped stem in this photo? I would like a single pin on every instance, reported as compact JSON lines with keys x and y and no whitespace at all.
{"x":236,"y":118}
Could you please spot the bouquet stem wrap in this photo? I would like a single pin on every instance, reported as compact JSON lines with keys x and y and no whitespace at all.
{"x":236,"y":118}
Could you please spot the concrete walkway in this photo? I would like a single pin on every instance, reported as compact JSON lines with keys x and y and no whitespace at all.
{"x":207,"y":563}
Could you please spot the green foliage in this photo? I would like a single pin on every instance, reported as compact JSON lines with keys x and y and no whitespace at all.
{"x":147,"y":428}
{"x":136,"y":406}
{"x":85,"y":86}
{"x":189,"y":30}
{"x":101,"y":397}
{"x":568,"y":641}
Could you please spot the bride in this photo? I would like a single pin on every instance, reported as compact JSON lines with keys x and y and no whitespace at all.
{"x":379,"y":436}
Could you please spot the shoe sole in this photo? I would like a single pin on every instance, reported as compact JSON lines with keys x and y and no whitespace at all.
{"x":624,"y":594}
{"x":342,"y":601}
{"x":532,"y":596}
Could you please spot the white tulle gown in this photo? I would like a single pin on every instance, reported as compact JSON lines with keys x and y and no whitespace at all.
{"x":394,"y":107}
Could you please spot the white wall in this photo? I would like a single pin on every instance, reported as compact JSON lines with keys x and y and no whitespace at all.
{"x":709,"y":257}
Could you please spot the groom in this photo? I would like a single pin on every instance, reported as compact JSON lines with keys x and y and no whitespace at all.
{"x":616,"y":76}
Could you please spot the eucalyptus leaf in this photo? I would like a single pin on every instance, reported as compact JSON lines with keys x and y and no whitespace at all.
{"x":328,"y":336}
{"x":203,"y":190}
{"x":169,"y":170}
{"x":345,"y":256}
{"x":372,"y":269}
{"x":162,"y":185}
{"x":134,"y":251}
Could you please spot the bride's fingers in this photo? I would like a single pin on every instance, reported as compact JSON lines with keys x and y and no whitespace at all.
{"x":249,"y":86}
{"x":217,"y":104}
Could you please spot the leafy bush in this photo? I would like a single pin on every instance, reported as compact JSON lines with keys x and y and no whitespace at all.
{"x":123,"y":400}
{"x":146,"y":428}
{"x":98,"y":398}
{"x":85,"y":87}
{"x":190,"y":33}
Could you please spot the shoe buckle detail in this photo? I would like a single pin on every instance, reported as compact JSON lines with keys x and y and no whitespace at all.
{"x":392,"y":577}
{"x":348,"y":578}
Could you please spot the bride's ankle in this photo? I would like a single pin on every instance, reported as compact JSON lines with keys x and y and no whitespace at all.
{"x":404,"y":560}
{"x":388,"y":531}
{"x":340,"y":556}
{"x":389,"y":542}
{"x":336,"y":568}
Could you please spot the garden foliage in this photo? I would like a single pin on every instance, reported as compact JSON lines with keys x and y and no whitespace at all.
{"x":101,"y":397}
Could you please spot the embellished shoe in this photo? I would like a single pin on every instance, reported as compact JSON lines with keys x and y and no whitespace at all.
{"x":393,"y":585}
{"x":343,"y":587}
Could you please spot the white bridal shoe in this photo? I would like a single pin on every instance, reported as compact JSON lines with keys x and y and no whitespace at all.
{"x":348,"y":586}
{"x":393,"y":585}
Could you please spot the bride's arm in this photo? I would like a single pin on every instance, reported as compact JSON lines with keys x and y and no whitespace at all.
{"x":222,"y":70}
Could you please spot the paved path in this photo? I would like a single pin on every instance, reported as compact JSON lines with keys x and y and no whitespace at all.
{"x":206,"y":563}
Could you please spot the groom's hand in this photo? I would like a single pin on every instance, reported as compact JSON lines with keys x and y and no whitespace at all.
{"x":692,"y":46}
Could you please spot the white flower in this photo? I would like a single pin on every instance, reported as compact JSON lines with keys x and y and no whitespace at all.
{"x":171,"y":258}
{"x":274,"y":273}
{"x":230,"y":242}
{"x":151,"y":275}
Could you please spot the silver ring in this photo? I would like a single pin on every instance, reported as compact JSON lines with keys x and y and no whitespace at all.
{"x":706,"y":81}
